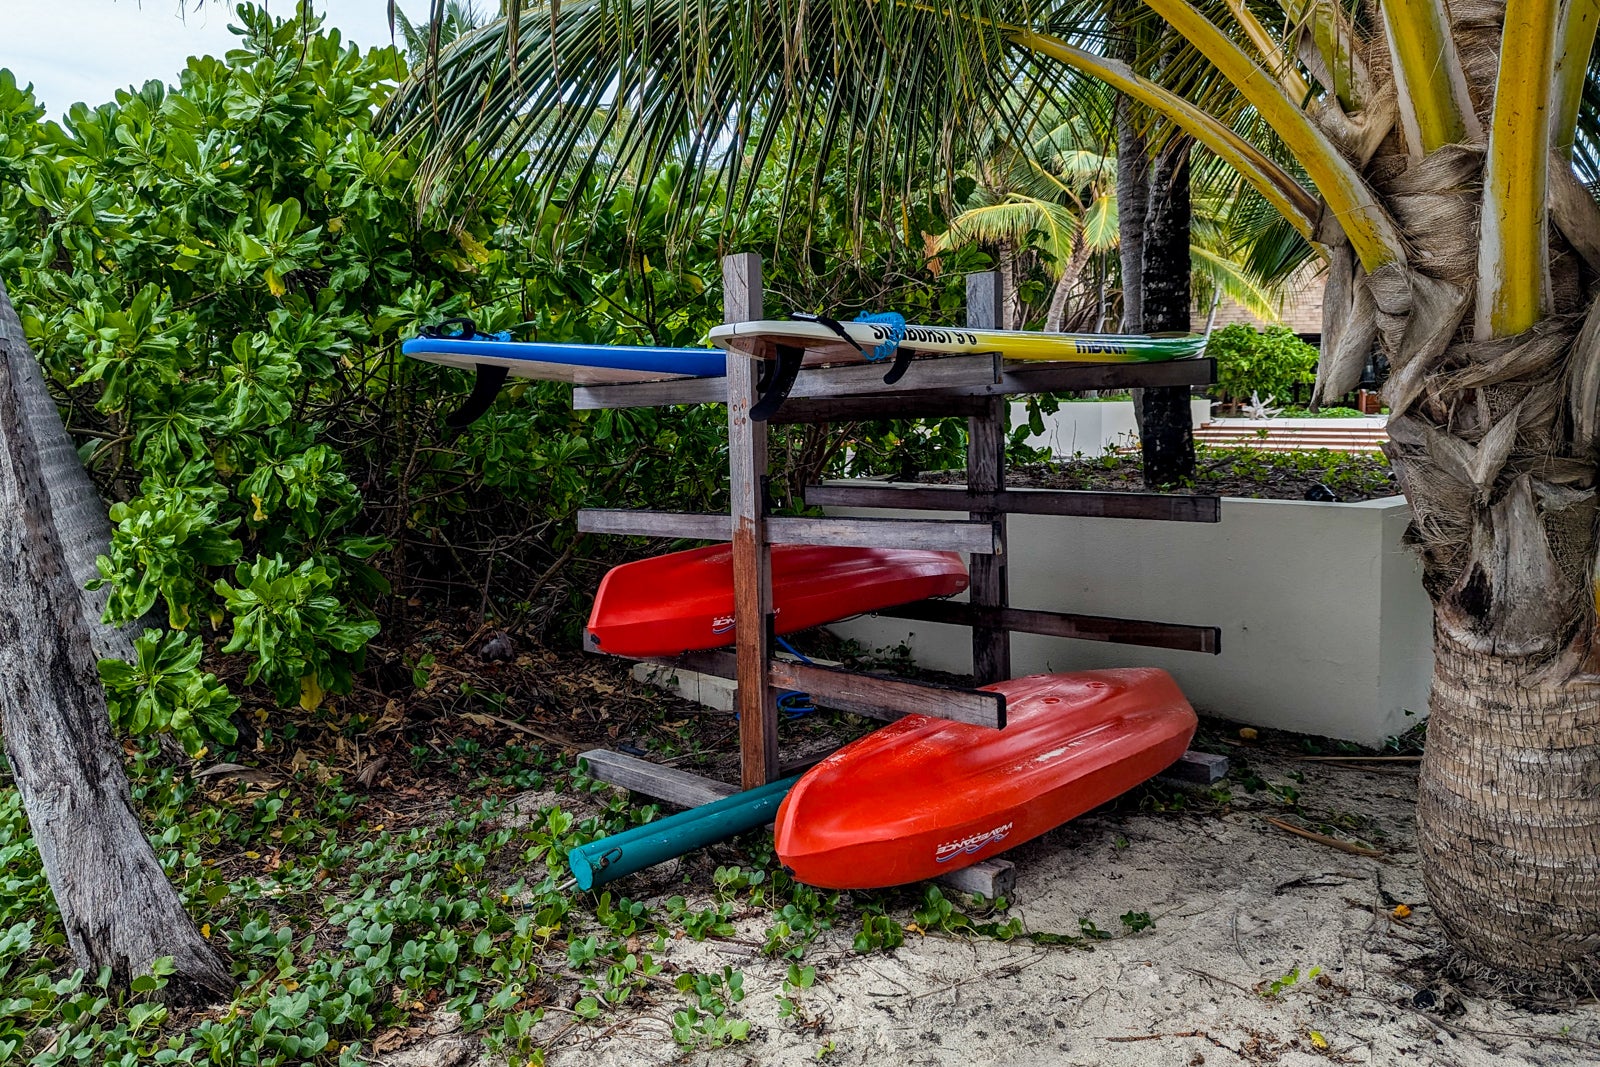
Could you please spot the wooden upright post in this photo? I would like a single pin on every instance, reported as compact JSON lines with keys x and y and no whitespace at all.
{"x":752,"y":558}
{"x":986,"y":467}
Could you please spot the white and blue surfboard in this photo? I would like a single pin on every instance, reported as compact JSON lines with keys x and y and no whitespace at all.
{"x":577,"y":364}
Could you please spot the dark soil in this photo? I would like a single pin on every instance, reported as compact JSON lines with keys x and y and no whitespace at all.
{"x":1247,"y":472}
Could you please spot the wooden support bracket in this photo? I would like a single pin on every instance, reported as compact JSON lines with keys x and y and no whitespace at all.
{"x":934,"y":380}
{"x":871,"y":695}
{"x":1160,"y":507}
{"x":1200,"y":768}
{"x":1177,"y":636}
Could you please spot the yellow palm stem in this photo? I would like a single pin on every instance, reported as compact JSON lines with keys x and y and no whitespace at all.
{"x":1434,"y":107}
{"x":1297,"y":205}
{"x":1270,"y":51}
{"x":1578,"y":23}
{"x":1513,"y":252}
{"x":1366,"y":225}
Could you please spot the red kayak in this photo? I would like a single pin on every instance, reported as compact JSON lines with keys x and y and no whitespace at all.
{"x":924,"y":796}
{"x":683,"y":601}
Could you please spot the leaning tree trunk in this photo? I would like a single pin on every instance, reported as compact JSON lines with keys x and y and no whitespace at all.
{"x":1071,"y":272}
{"x":117,"y":907}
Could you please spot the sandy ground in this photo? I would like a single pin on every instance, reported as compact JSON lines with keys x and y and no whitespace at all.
{"x":1236,"y":904}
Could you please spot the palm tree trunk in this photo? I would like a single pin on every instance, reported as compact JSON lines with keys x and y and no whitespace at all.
{"x":1495,"y":444}
{"x":1065,"y":284}
{"x":1133,"y":196}
{"x":117,"y":908}
{"x":1506,"y":810}
{"x":1166,"y":429}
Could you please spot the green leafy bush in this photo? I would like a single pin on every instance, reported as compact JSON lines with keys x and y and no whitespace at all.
{"x":1268,"y":363}
{"x":217,"y":278}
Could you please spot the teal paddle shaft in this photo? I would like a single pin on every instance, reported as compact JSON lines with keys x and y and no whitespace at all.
{"x":601,"y":861}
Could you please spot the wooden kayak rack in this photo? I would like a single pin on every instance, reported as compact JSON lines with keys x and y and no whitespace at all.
{"x":975,"y":386}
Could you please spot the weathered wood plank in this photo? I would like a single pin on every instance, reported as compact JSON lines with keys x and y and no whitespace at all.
{"x":933,"y":534}
{"x":986,"y":475}
{"x":878,"y":697}
{"x":986,"y":878}
{"x":1055,"y":377}
{"x":1160,"y":507}
{"x":682,"y":788}
{"x":975,"y":375}
{"x":630,"y":522}
{"x":1202,"y":768}
{"x":856,"y":409}
{"x":1178,"y":636}
{"x":874,"y":696}
{"x":752,"y":555}
{"x":958,"y":374}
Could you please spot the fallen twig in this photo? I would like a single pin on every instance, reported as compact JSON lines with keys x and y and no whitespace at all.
{"x":1324,"y":839}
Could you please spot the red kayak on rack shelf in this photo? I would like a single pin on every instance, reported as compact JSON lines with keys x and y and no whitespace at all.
{"x":683,"y":601}
{"x":925,"y":796}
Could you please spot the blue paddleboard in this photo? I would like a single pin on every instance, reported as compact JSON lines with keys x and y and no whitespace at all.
{"x":578,"y":364}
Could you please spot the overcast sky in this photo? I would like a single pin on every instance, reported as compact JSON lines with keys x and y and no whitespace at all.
{"x":74,"y":50}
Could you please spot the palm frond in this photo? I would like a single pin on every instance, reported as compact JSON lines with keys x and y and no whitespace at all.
{"x":1236,"y":282}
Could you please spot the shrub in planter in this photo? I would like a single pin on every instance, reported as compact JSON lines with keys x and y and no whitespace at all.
{"x":1268,"y":362}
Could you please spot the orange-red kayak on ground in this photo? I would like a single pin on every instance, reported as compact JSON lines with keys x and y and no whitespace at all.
{"x":683,"y":601}
{"x":923,"y":796}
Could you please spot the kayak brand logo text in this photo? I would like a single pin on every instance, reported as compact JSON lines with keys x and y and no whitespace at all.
{"x":722,"y":624}
{"x":968,"y":845}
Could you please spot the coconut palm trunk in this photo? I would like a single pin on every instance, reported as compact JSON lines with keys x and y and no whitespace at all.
{"x":1457,"y":242}
{"x":1434,"y":142}
{"x":118,"y":910}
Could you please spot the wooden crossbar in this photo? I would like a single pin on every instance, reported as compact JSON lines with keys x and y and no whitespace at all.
{"x":1173,"y":635}
{"x":944,"y":535}
{"x":1160,"y":507}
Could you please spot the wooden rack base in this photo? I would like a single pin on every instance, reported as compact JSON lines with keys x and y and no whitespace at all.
{"x":988,"y":878}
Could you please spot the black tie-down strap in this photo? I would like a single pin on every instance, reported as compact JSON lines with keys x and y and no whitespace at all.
{"x":902,"y":356}
{"x":775,"y":382}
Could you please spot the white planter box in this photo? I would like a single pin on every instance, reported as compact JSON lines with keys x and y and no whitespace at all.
{"x":1325,"y":627}
{"x":1088,"y":428}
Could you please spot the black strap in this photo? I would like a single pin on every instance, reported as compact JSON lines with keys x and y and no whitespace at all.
{"x":485,"y":387}
{"x":902,"y":363}
{"x":778,"y":384}
{"x":833,"y":324}
{"x":451,"y":330}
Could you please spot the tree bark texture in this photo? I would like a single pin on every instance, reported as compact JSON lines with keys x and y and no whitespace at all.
{"x":1494,"y":443}
{"x":1166,"y":432}
{"x":1133,"y":197}
{"x":1510,"y":842}
{"x":80,"y":514}
{"x":117,"y":907}
{"x":1071,"y":273}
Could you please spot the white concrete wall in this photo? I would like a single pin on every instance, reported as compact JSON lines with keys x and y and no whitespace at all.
{"x":1325,"y":627}
{"x":1090,"y":427}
